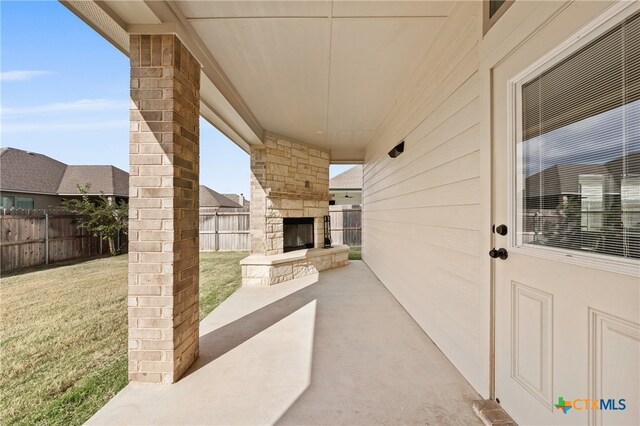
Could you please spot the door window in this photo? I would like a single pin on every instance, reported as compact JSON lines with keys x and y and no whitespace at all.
{"x":578,"y":175}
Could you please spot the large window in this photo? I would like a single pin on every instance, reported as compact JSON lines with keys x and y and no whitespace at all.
{"x":24,"y":202}
{"x":6,"y":202}
{"x":10,"y":202}
{"x":578,"y":177}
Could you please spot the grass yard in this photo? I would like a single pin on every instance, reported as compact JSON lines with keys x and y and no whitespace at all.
{"x":63,"y":335}
{"x":355,"y":253}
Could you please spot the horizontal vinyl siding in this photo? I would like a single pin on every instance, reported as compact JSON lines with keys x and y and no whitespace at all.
{"x":422,"y":210}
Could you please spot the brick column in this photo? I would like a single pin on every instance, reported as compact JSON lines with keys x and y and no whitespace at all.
{"x":257,"y":218}
{"x":163,"y":203}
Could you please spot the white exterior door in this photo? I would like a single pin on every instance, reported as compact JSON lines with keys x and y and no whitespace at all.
{"x":567,"y":186}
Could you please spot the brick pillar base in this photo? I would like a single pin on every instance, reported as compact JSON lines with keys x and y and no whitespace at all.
{"x":163,"y":223}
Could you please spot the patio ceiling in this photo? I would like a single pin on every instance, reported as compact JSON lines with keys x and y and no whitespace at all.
{"x":322,"y":72}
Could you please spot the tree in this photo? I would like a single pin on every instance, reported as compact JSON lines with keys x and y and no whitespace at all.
{"x":101,"y":216}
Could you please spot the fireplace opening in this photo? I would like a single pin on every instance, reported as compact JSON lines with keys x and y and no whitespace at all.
{"x":298,"y":233}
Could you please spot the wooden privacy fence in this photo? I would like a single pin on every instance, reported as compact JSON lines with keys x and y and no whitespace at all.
{"x":39,"y":237}
{"x":346,"y":225}
{"x":224,"y":231}
{"x":229,"y":230}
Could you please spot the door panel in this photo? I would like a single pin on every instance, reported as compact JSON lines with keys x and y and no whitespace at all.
{"x":615,"y":351}
{"x":564,"y":327}
{"x":532,"y":340}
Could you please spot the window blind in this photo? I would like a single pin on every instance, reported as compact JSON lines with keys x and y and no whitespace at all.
{"x":599,"y":77}
{"x":580,"y":149}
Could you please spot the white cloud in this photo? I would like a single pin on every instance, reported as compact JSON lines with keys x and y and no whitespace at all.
{"x":21,"y":75}
{"x":80,"y":105}
{"x":71,"y":126}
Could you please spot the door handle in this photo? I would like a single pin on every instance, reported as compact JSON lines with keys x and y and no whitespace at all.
{"x":500,"y":253}
{"x":501,"y":230}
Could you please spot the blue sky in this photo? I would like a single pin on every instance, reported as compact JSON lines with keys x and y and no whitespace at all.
{"x":65,"y":93}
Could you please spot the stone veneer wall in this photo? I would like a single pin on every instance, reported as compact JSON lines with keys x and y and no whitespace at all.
{"x":288,"y":179}
{"x":163,"y":209}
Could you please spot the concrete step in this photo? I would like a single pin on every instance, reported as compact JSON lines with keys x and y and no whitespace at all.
{"x":492,"y":414}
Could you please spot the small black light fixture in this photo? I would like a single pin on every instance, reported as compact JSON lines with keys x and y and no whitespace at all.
{"x":397,"y":150}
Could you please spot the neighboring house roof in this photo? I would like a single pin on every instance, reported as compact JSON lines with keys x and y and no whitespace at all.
{"x":109,"y":180}
{"x":23,"y":171}
{"x":236,"y":198}
{"x":30,"y":172}
{"x":210,"y":198}
{"x":564,"y":178}
{"x":349,"y":179}
{"x":560,"y":179}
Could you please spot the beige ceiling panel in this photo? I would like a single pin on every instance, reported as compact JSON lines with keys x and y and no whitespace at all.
{"x":392,"y":8}
{"x":348,"y":140}
{"x":371,"y":60}
{"x":258,"y":9}
{"x":347,"y":155}
{"x":133,"y":12}
{"x":280,"y":67}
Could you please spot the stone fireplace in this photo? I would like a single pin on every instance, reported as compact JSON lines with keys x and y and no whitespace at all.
{"x":289,"y":199}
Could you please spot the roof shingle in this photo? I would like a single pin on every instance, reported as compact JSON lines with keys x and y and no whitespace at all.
{"x":30,"y":172}
{"x":109,"y":180}
{"x":210,"y":198}
{"x":23,"y":171}
{"x":349,"y":179}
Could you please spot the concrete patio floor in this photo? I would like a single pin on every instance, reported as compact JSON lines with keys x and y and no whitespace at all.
{"x":330,"y":349}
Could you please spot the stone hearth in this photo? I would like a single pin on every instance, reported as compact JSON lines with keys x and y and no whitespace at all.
{"x":268,"y":270}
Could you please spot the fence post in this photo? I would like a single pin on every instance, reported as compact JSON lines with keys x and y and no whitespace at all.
{"x":216,"y":236}
{"x":46,"y":238}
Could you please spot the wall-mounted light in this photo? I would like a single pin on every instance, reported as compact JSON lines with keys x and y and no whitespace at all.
{"x":397,"y":150}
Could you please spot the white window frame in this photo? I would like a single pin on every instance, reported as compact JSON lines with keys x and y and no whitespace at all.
{"x":609,"y":19}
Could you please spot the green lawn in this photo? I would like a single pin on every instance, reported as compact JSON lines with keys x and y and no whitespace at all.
{"x":355,"y":253}
{"x":63,"y":335}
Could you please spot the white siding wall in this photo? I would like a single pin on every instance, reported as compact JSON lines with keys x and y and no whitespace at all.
{"x":422,"y":210}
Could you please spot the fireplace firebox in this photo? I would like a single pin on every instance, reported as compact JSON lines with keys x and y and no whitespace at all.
{"x":298,"y":233}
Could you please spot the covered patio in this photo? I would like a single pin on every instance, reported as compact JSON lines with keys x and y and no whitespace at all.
{"x":329,"y":348}
{"x":430,"y":97}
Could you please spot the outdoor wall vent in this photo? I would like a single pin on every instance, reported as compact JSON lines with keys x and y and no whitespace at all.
{"x":397,"y":150}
